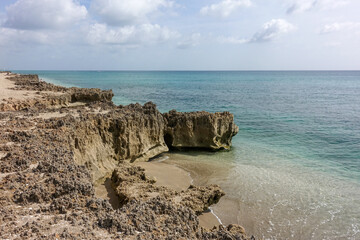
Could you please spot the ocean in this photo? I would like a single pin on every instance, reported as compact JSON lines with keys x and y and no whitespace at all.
{"x":294,"y":169}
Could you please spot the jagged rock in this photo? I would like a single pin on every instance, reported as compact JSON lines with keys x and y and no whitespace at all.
{"x":128,"y":133}
{"x":131,"y":183}
{"x":90,"y":95}
{"x":200,"y":130}
{"x":200,"y":199}
{"x":32,"y":82}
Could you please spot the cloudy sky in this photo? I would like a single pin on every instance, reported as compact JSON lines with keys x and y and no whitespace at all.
{"x":180,"y":35}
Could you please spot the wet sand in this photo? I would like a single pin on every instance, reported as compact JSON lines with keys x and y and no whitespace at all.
{"x":174,"y":177}
{"x":167,"y":175}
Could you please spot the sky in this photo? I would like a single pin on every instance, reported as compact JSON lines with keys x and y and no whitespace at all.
{"x":180,"y":35}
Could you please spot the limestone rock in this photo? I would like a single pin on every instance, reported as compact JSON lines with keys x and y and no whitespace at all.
{"x":200,"y":130}
{"x":33,"y":83}
{"x":131,"y":183}
{"x":52,"y":96}
{"x":200,"y":199}
{"x":130,"y":133}
{"x":90,"y":95}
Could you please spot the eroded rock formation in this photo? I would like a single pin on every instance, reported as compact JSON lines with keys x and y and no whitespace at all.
{"x":131,"y":183}
{"x":200,"y":130}
{"x":51,"y":153}
{"x":128,"y":133}
{"x":51,"y":96}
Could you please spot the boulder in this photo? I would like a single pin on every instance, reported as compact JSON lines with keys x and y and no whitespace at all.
{"x":200,"y":130}
{"x":90,"y":95}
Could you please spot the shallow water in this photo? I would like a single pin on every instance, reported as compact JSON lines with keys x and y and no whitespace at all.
{"x":294,"y":170}
{"x":278,"y":200}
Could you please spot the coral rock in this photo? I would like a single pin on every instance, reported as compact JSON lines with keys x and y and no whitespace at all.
{"x":200,"y":130}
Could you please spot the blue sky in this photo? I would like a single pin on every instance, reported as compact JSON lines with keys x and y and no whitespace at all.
{"x":180,"y":35}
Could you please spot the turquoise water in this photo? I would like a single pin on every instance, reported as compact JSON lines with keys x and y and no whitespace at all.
{"x":294,"y":171}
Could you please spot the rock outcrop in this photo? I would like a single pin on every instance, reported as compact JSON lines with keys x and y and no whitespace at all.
{"x":90,"y":95}
{"x":52,"y":96}
{"x":128,"y":133}
{"x":31,"y":82}
{"x":52,"y":152}
{"x":131,"y":183}
{"x":200,"y":130}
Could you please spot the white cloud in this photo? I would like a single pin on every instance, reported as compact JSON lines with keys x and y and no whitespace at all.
{"x":224,"y":8}
{"x":14,"y":36}
{"x":130,"y":35}
{"x":232,"y":40}
{"x":43,"y":14}
{"x":127,"y":12}
{"x":190,"y":41}
{"x":299,"y":6}
{"x":336,"y":27}
{"x":270,"y":31}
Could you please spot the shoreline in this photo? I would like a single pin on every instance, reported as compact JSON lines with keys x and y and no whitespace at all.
{"x":62,"y":142}
{"x":166,"y":174}
{"x":257,"y":176}
{"x":207,"y":220}
{"x":180,"y":179}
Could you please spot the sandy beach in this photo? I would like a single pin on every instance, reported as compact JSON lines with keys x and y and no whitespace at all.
{"x":7,"y":90}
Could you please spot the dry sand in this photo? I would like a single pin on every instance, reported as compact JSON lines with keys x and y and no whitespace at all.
{"x":6,"y":91}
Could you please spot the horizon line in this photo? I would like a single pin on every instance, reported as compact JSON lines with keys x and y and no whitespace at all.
{"x":184,"y":70}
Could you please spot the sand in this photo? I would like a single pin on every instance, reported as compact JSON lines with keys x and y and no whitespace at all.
{"x":178,"y":179}
{"x":6,"y":91}
{"x":104,"y":190}
{"x":167,"y":175}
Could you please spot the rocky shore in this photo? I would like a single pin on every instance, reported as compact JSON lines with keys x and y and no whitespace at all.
{"x":57,"y":142}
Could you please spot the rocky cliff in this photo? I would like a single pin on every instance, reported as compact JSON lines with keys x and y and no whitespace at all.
{"x":125,"y":133}
{"x":200,"y":130}
{"x":53,"y":148}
